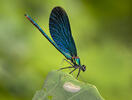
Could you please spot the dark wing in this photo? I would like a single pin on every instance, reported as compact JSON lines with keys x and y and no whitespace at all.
{"x":60,"y":31}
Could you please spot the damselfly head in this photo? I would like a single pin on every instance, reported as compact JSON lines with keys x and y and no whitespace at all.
{"x":83,"y":68}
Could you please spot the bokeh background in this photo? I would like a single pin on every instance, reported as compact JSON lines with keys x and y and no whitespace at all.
{"x":102,"y":30}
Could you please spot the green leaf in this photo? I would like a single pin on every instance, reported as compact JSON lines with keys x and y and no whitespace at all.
{"x":63,"y":86}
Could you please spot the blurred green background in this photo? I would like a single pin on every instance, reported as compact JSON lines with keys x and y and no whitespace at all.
{"x":102,"y":30}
